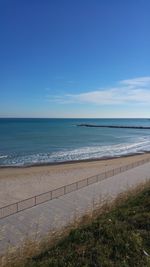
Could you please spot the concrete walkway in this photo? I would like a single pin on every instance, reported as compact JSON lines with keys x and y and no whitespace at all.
{"x":36,"y":222}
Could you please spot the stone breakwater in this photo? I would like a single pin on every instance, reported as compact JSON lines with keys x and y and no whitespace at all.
{"x":113,"y":126}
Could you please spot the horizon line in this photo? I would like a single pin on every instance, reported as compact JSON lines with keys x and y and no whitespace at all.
{"x":74,"y":117}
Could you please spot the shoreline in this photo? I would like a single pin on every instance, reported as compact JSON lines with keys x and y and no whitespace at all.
{"x":46,"y":164}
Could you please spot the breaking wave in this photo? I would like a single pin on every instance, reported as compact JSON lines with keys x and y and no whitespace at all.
{"x":82,"y":153}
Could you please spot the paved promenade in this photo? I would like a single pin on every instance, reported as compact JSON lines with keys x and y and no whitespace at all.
{"x":36,"y":222}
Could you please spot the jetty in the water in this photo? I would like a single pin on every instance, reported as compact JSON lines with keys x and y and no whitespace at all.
{"x":113,"y":126}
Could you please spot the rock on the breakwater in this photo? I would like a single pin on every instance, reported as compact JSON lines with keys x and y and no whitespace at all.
{"x":113,"y":126}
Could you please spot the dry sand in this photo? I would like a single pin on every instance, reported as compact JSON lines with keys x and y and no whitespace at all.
{"x":20,"y":183}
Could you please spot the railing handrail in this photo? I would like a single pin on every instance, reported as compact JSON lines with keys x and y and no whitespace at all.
{"x":16,"y":207}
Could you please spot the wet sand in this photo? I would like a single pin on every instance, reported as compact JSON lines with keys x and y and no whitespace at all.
{"x":20,"y":183}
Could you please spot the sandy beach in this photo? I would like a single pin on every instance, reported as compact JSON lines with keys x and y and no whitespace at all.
{"x":20,"y":183}
{"x":37,"y":222}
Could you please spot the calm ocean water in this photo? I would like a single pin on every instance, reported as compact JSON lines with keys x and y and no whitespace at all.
{"x":41,"y":141}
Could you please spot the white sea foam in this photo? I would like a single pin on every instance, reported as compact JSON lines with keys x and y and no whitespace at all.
{"x":3,"y":156}
{"x":82,"y":153}
{"x":102,"y":151}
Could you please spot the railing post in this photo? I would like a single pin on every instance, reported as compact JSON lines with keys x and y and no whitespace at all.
{"x":64,"y":190}
{"x":17,"y":206}
{"x":76,"y":185}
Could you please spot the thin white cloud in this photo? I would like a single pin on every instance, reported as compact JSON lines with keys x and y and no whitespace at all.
{"x":141,"y":81}
{"x":132,"y":91}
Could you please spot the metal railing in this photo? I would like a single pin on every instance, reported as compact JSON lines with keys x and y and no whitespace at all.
{"x":47,"y":196}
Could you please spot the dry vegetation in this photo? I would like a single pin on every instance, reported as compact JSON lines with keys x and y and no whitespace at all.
{"x":116,"y":235}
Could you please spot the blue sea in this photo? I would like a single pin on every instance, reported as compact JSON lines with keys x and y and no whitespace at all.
{"x":25,"y":142}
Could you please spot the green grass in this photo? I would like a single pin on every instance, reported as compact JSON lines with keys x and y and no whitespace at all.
{"x":118,"y":238}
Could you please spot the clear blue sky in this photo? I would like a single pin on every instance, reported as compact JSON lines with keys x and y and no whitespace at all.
{"x":65,"y":58}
